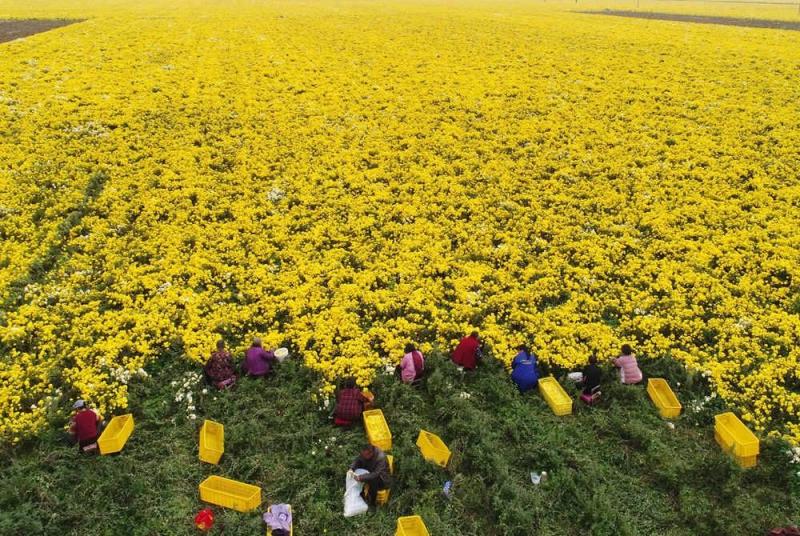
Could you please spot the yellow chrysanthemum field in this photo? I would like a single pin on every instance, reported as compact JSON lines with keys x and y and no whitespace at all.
{"x":344,"y":177}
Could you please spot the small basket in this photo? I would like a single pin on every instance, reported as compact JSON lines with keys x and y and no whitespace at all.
{"x":281,"y":354}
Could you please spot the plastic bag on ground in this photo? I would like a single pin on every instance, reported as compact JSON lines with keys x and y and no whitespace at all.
{"x":354,"y":504}
{"x":279,"y":517}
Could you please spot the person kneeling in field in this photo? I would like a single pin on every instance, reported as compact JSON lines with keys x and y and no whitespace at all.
{"x":524,"y":370}
{"x":468,"y":352}
{"x":85,"y":427}
{"x":629,"y":372}
{"x":349,"y":404}
{"x":219,"y":370}
{"x":373,"y":460}
{"x":591,"y":376}
{"x":257,"y":361}
{"x":412,"y":366}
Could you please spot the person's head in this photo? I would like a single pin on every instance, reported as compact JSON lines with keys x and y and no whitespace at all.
{"x":474,"y":334}
{"x":220,"y":345}
{"x":349,"y":383}
{"x":410,"y":348}
{"x":626,"y":349}
{"x":256,"y":341}
{"x":523,"y":348}
{"x":79,"y":405}
{"x":592,"y":359}
{"x":367,"y":452}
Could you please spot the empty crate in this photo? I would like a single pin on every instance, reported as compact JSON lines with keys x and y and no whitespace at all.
{"x":116,"y":434}
{"x":230,"y":493}
{"x":212,"y":442}
{"x":664,"y":399}
{"x":555,"y":396}
{"x":433,"y":448}
{"x":734,"y":436}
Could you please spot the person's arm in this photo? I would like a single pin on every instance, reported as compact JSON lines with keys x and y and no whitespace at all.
{"x":269,"y":356}
{"x":380,"y":467}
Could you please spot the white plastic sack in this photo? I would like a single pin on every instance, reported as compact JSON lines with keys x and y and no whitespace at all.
{"x":575,"y":376}
{"x":354,"y":504}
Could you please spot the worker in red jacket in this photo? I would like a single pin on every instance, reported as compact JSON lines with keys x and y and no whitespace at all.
{"x":468,"y":351}
{"x":85,"y":426}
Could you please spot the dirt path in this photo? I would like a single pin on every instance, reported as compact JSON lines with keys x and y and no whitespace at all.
{"x":11,"y":29}
{"x":700,"y":19}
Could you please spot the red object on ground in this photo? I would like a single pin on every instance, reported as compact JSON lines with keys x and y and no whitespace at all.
{"x":204,"y":519}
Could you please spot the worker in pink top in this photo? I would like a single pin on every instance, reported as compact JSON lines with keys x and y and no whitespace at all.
{"x":629,"y":372}
{"x":412,"y":365}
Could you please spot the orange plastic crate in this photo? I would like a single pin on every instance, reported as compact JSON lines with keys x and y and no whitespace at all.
{"x":116,"y":434}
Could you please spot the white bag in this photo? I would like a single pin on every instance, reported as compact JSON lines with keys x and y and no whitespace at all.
{"x":575,"y":376}
{"x":354,"y":504}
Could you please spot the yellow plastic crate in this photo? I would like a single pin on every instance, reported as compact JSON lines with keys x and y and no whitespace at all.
{"x":212,"y":442}
{"x":733,"y":432}
{"x":411,"y":526}
{"x":116,"y":434}
{"x":433,"y":448}
{"x":383,"y":495}
{"x":746,"y":462}
{"x":664,"y":399}
{"x":230,"y":493}
{"x":291,"y":530}
{"x":378,"y":432}
{"x":555,"y":396}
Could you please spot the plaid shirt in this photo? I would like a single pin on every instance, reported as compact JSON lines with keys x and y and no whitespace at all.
{"x":220,"y":366}
{"x":349,"y":404}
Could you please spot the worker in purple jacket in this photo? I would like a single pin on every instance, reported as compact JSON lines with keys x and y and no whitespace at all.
{"x":257,"y":361}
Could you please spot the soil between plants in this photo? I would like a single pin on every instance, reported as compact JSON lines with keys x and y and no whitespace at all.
{"x":701,"y":19}
{"x":11,"y":29}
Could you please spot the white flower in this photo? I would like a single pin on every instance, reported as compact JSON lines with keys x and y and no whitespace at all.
{"x":205,"y":391}
{"x":193,"y":416}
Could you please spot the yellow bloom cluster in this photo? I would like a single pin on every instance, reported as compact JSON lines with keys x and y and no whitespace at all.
{"x":348,"y":177}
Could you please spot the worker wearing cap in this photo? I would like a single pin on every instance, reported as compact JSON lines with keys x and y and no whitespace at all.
{"x":85,"y":426}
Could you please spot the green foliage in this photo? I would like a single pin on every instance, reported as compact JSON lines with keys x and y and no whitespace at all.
{"x":616,"y":469}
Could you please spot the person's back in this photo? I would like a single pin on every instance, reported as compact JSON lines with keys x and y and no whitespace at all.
{"x":85,"y":422}
{"x":629,"y":372}
{"x":466,"y":353}
{"x":524,"y":372}
{"x":220,"y":367}
{"x":257,"y":361}
{"x":592,"y":375}
{"x":349,"y":404}
{"x":412,"y":364}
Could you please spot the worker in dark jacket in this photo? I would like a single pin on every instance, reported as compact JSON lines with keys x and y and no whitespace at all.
{"x":374,"y":460}
{"x":592,"y":375}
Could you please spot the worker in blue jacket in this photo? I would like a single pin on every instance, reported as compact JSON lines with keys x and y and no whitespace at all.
{"x":524,"y":370}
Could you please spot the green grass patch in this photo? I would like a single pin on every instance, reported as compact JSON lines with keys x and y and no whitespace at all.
{"x":616,"y":469}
